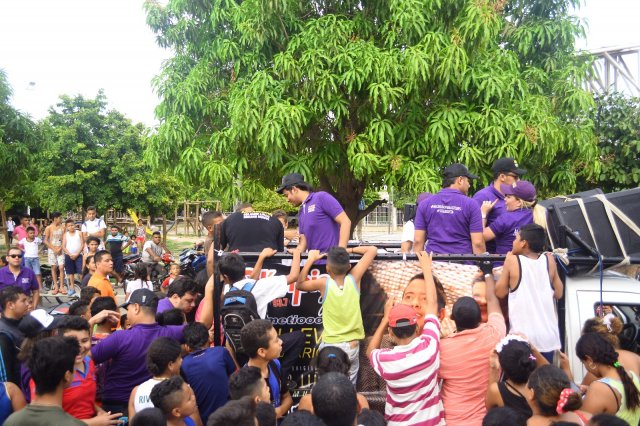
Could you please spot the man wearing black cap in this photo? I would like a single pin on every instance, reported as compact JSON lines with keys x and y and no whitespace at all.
{"x":505,"y":171}
{"x":127,"y":349}
{"x":322,"y":220}
{"x":451,"y":221}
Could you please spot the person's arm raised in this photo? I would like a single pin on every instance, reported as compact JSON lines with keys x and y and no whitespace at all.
{"x":426,"y":264}
{"x":493,"y":304}
{"x":376,"y":339}
{"x":368,"y":254}
{"x":257,"y":268}
{"x":310,"y":285}
{"x":294,"y":272}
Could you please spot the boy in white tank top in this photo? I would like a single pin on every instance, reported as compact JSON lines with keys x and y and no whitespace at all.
{"x":530,"y":280}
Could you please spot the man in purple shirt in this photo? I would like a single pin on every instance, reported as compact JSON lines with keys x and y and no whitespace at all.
{"x":505,"y":172}
{"x":126,"y":350}
{"x":321,"y":219}
{"x":16,"y":274}
{"x":181,"y":295}
{"x":450,"y":220}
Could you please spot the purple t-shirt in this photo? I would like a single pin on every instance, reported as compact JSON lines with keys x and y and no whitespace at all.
{"x":164,"y":305}
{"x":449,"y":217}
{"x":505,"y":227}
{"x":317,"y":221}
{"x":26,"y":279}
{"x":490,"y":193}
{"x":127,"y":350}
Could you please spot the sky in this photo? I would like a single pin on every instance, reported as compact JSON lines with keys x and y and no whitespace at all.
{"x":54,"y":47}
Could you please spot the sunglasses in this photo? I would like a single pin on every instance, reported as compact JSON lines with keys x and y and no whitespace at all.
{"x":15,"y":256}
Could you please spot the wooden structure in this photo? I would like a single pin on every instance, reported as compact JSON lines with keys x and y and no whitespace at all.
{"x":191,"y":216}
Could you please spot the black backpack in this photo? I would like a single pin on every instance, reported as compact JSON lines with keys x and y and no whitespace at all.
{"x":239,"y":308}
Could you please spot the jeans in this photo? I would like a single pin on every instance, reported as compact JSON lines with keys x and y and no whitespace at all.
{"x":352,"y":349}
{"x":33,"y":263}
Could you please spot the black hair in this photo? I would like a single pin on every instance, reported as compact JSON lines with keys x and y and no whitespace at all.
{"x":232,"y":265}
{"x":92,"y":239}
{"x":87,"y":260}
{"x":404,"y":331}
{"x":607,"y":420}
{"x":181,"y":286}
{"x":369,"y":417}
{"x":266,"y":414}
{"x":535,"y":237}
{"x":31,"y":228}
{"x":280,"y":213}
{"x":161,"y":352}
{"x":466,"y":313}
{"x":115,"y":226}
{"x":91,"y":208}
{"x":196,"y":335}
{"x":167,"y":394}
{"x":173,"y":316}
{"x":68,"y":221}
{"x":56,"y":214}
{"x":516,"y":361}
{"x":332,"y":359}
{"x":255,"y":335}
{"x":99,"y":255}
{"x":247,"y":381}
{"x":10,"y":294}
{"x":3,"y":259}
{"x":448,"y":181}
{"x":88,"y":292}
{"x":334,"y":399}
{"x":338,"y":259}
{"x":243,"y":206}
{"x":240,"y":412}
{"x":50,"y":360}
{"x":441,"y":295}
{"x":103,"y":303}
{"x":25,"y":215}
{"x":547,"y":383}
{"x":151,"y":416}
{"x":73,"y":322}
{"x":79,"y":307}
{"x":123,"y":320}
{"x":500,"y":416}
{"x":302,"y":418}
{"x":600,"y":350}
{"x":140,"y":272}
{"x":156,"y":233}
{"x":209,"y":217}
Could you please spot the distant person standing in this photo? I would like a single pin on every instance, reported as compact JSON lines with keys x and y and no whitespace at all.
{"x":141,"y":234}
{"x":72,"y":246}
{"x":20,"y":231}
{"x":116,"y":243}
{"x":505,"y":172}
{"x":249,"y":230}
{"x":449,"y":220}
{"x":10,"y":227}
{"x":31,"y":249}
{"x":53,"y":240}
{"x":93,"y":226}
{"x":322,"y":221}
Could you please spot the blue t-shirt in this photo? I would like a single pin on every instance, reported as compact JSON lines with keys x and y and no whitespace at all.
{"x":490,"y":193}
{"x":449,"y":217}
{"x":207,"y":371}
{"x":506,"y":226}
{"x":274,"y":383}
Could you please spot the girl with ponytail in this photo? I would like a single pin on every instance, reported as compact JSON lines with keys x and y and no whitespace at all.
{"x":615,"y":391}
{"x":552,"y":399}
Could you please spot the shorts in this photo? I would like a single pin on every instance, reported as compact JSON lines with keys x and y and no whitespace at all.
{"x":352,"y":349}
{"x":72,"y":266}
{"x":33,"y":263}
{"x":118,"y":264}
{"x":55,"y":259}
{"x":140,"y":239}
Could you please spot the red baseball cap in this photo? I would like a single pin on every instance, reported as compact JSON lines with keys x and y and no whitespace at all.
{"x":402,"y":315}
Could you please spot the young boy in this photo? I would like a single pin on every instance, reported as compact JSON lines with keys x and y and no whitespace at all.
{"x":530,"y":279}
{"x":341,"y":317}
{"x":174,"y":272}
{"x":411,"y":367}
{"x":92,"y":244}
{"x":177,"y":401}
{"x":31,"y":248}
{"x":248,"y":381}
{"x":263,"y":347}
{"x":53,"y":240}
{"x":207,"y":369}
{"x":72,"y":246}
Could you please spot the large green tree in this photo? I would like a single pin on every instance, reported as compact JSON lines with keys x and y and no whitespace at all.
{"x":358,"y":93}
{"x":18,"y":139}
{"x":94,"y":156}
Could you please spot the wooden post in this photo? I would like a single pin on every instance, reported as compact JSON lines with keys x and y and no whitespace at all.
{"x":176,"y":223}
{"x":197,"y":220}
{"x":164,"y":228}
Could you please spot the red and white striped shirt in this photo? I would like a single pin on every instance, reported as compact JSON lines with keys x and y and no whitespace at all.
{"x":411,"y":372}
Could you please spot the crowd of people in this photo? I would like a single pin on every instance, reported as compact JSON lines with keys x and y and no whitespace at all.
{"x":171,"y":357}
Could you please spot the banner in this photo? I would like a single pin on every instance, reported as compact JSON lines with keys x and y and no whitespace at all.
{"x":385,"y":279}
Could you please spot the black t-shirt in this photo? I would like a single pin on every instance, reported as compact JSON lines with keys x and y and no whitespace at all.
{"x":252,"y":231}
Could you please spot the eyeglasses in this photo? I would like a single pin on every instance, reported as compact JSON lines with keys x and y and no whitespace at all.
{"x":15,"y":256}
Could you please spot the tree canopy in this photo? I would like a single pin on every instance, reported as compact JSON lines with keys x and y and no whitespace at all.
{"x":362,"y":93}
{"x":94,"y":156}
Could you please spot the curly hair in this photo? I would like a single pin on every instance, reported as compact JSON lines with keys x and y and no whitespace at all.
{"x":597,"y":325}
{"x":516,"y":361}
{"x":600,"y":350}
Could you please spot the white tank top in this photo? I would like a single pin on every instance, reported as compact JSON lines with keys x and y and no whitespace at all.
{"x":532,"y":309}
{"x":142,"y":400}
{"x":73,"y":242}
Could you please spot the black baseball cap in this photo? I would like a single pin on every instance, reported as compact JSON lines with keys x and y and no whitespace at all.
{"x":143,"y":297}
{"x":457,"y":169}
{"x":507,"y":164}
{"x":290,"y":180}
